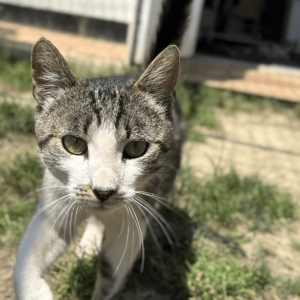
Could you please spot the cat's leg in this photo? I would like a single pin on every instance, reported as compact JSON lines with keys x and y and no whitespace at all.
{"x":124,"y":233}
{"x":41,"y":244}
{"x":91,"y":240}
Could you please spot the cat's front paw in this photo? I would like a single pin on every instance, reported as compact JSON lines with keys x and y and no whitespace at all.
{"x":35,"y":290}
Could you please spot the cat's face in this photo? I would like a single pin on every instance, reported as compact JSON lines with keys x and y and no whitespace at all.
{"x":103,"y":138}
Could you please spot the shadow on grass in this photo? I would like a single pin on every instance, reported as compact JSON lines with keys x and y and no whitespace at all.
{"x":165,"y":271}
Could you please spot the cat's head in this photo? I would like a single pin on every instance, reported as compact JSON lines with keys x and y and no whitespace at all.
{"x":103,"y":138}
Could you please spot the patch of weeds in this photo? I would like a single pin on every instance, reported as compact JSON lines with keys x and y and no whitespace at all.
{"x":17,"y":180}
{"x":15,"y":117}
{"x":193,"y":107}
{"x":293,"y":287}
{"x":15,"y":69}
{"x":287,"y":288}
{"x":23,"y":176}
{"x":74,"y":278}
{"x":205,"y":116}
{"x":194,"y":135}
{"x":218,"y":276}
{"x":295,"y":245}
{"x":229,"y":198}
{"x":14,"y":217}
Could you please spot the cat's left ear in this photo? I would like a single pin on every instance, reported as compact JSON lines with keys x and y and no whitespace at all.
{"x":161,"y":76}
{"x":49,"y":70}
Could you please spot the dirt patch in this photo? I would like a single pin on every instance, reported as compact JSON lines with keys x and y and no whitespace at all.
{"x":7,"y":261}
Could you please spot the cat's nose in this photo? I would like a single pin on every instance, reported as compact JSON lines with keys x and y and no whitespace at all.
{"x":102,"y":195}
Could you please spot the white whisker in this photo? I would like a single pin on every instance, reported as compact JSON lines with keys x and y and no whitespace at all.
{"x":123,"y":254}
{"x":158,"y":218}
{"x":60,"y":214}
{"x":67,"y":217}
{"x":120,"y":233}
{"x":135,"y":218}
{"x":50,"y":204}
{"x":150,"y":228}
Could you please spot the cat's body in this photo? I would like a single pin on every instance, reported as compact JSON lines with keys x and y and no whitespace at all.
{"x":109,"y":146}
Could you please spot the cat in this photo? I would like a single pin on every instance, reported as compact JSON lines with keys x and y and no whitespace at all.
{"x":108,"y":146}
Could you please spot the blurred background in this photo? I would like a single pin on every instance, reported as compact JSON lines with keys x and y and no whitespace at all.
{"x":240,"y":95}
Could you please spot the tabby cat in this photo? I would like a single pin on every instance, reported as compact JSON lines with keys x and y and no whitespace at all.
{"x":108,"y":146}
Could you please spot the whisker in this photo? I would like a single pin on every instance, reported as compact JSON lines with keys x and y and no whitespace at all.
{"x":42,"y":189}
{"x":150,"y":228}
{"x":161,"y":200}
{"x":135,"y":218}
{"x":120,"y":233}
{"x":60,"y":214}
{"x":123,"y":254}
{"x":51,"y":187}
{"x":164,"y":200}
{"x":157,"y":214}
{"x":67,"y":217}
{"x":50,"y":204}
{"x":158,"y":218}
{"x":70,"y":221}
{"x":76,"y":214}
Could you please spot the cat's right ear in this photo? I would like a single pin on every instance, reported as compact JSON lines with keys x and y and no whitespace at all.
{"x":49,"y":70}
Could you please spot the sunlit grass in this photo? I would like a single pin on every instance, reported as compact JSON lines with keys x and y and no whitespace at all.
{"x":229,"y":199}
{"x":18,"y":182}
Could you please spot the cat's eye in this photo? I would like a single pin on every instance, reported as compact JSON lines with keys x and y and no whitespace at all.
{"x":74,"y":145}
{"x":135,"y":149}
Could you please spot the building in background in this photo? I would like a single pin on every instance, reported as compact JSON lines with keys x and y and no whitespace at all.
{"x":258,"y":30}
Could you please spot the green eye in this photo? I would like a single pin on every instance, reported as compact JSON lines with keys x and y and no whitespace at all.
{"x":135,"y":149}
{"x":74,"y":145}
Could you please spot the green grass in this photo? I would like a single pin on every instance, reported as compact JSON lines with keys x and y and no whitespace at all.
{"x":15,"y":117}
{"x":295,"y":245}
{"x":74,"y":278}
{"x":195,"y":135}
{"x":15,"y":69}
{"x":290,"y":287}
{"x":217,"y":276}
{"x":17,"y":198}
{"x":14,"y":217}
{"x":230,"y":199}
{"x":194,"y":109}
{"x":22,"y":177}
